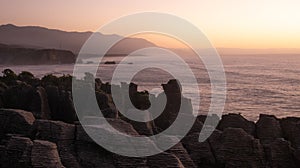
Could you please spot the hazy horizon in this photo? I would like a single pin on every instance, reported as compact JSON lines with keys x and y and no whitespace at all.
{"x":164,"y":39}
{"x":227,"y":24}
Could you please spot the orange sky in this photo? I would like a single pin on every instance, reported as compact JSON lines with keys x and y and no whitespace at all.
{"x":229,"y":24}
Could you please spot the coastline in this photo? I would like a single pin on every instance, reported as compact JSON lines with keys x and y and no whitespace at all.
{"x":39,"y":121}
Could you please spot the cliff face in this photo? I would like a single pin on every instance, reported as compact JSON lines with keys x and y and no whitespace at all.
{"x":15,"y":55}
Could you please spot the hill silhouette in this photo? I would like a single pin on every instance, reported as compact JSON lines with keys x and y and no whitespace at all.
{"x":40,"y":37}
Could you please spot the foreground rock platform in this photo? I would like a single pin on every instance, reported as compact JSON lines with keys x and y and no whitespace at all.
{"x":30,"y":142}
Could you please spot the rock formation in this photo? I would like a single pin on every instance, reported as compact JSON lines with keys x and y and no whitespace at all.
{"x":47,"y":134}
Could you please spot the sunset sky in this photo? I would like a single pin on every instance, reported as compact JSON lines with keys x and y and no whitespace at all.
{"x":228,"y":24}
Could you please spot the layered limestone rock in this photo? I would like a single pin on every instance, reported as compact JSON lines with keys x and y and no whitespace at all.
{"x":63,"y":135}
{"x":45,"y":154}
{"x":268,"y":129}
{"x":236,"y":121}
{"x":17,"y":153}
{"x":15,"y":122}
{"x":235,"y":148}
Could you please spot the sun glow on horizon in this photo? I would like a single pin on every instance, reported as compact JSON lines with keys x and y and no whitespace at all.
{"x":227,"y":24}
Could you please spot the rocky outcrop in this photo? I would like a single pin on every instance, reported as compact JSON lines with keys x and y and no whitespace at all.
{"x":174,"y":103}
{"x":178,"y":150}
{"x":291,"y":130}
{"x":39,"y":105}
{"x":236,"y":121}
{"x":63,"y":135}
{"x":211,"y":120}
{"x":26,"y":97}
{"x":268,"y":129}
{"x":235,"y":148}
{"x":15,"y":122}
{"x":18,"y":97}
{"x":17,"y":152}
{"x":91,"y":155}
{"x":68,"y":145}
{"x":61,"y":104}
{"x":107,"y":108}
{"x":44,"y":154}
{"x":200,"y":152}
{"x":279,"y":153}
{"x":54,"y":138}
{"x":98,"y":156}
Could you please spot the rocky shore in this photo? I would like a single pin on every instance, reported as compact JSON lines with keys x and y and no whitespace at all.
{"x":39,"y":128}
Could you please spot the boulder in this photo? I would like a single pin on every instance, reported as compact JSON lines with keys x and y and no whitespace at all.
{"x":268,"y":128}
{"x":236,"y":121}
{"x":44,"y":154}
{"x":17,"y":153}
{"x":16,"y":122}
{"x":235,"y":148}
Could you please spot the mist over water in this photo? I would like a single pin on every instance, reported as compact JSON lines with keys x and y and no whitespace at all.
{"x":268,"y":84}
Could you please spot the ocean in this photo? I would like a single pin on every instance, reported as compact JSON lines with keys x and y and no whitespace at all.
{"x":256,"y":84}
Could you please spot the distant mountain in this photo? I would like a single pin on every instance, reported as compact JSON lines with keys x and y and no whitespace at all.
{"x":39,"y":37}
{"x":16,"y":55}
